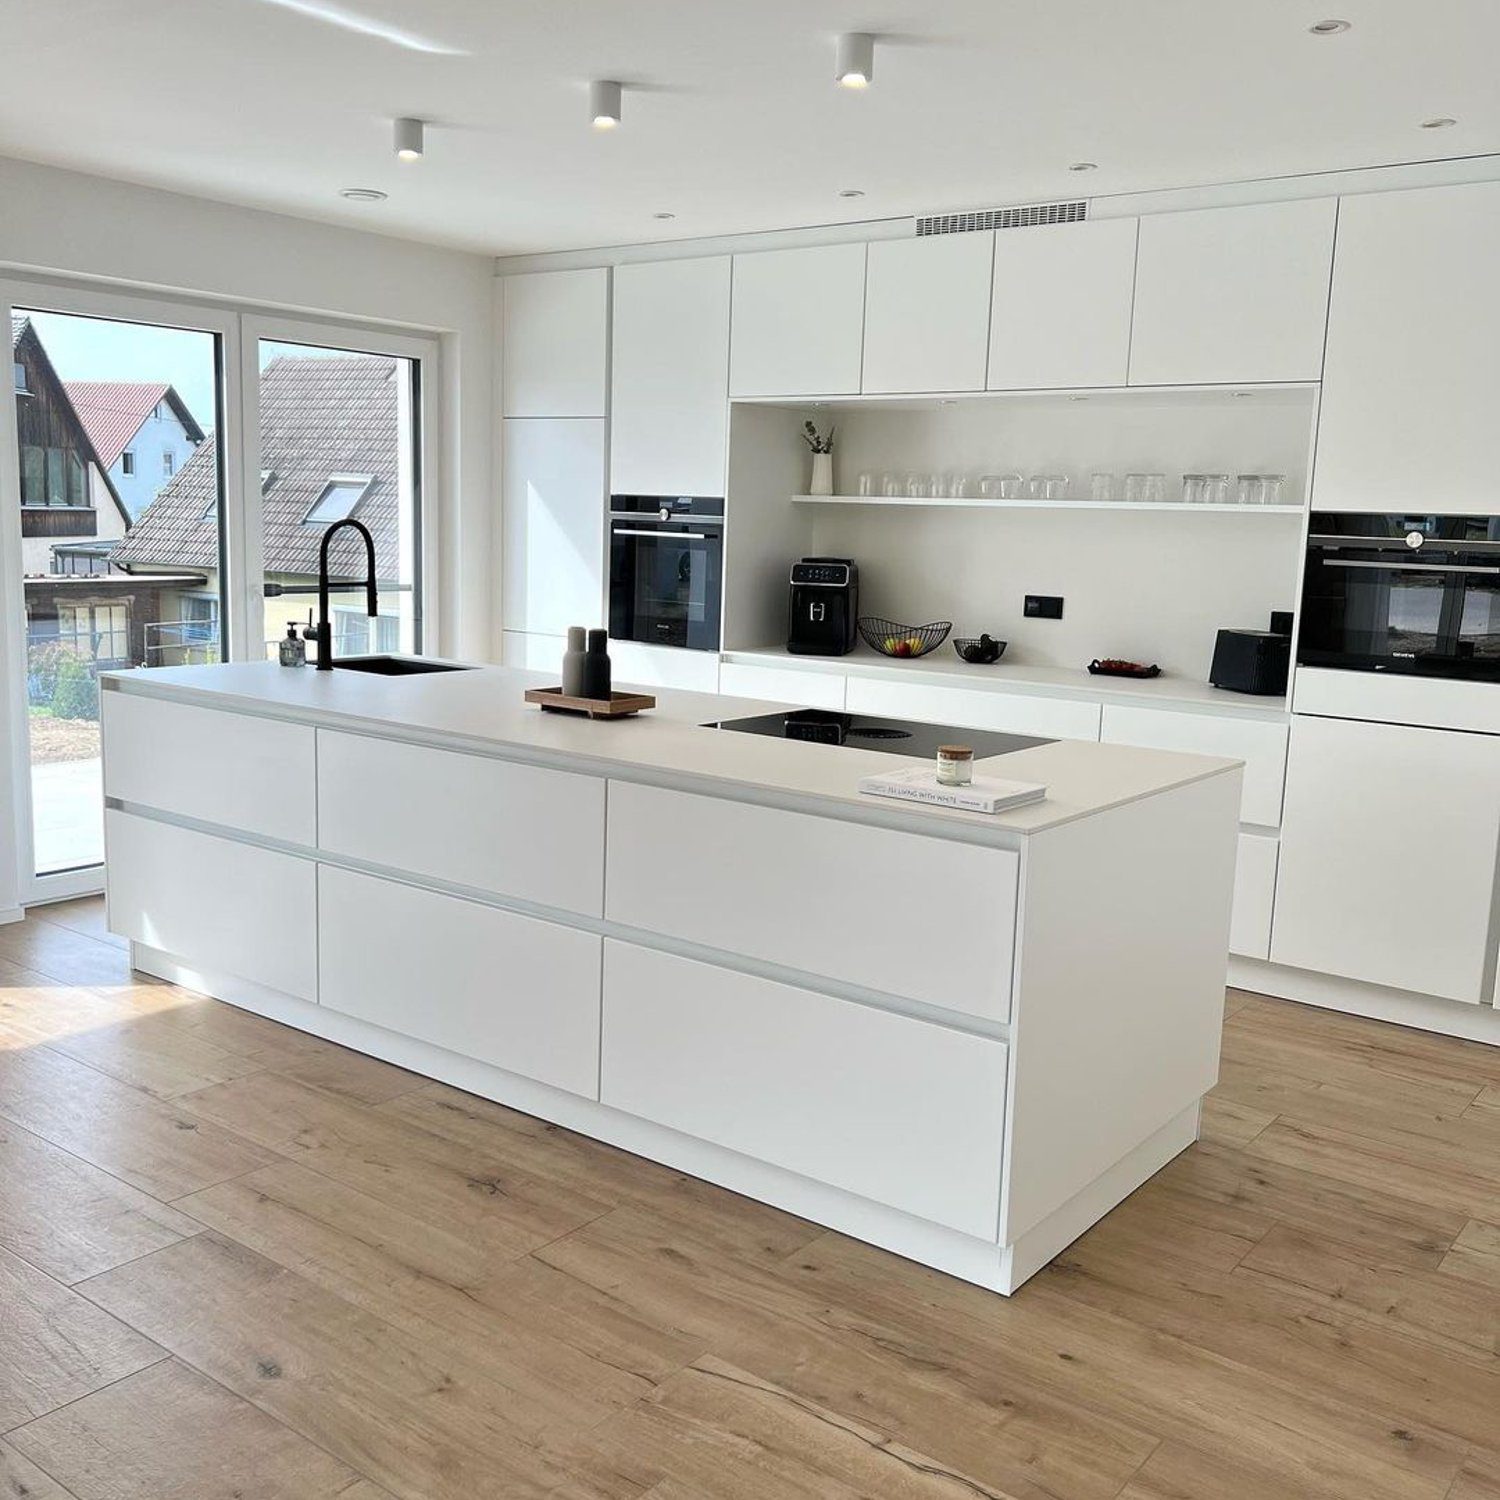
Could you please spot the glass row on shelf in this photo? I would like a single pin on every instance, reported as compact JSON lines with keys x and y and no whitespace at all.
{"x":1138,"y":488}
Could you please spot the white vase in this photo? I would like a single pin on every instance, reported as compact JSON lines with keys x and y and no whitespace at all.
{"x":822,"y":474}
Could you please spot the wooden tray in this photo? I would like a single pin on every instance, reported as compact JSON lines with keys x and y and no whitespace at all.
{"x":616,"y":706}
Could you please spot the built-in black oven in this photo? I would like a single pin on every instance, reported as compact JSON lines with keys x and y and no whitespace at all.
{"x":666,"y":569}
{"x":1402,"y":593}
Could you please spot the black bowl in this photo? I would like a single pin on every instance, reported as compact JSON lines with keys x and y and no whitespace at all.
{"x":918,"y":639}
{"x":979,"y":651}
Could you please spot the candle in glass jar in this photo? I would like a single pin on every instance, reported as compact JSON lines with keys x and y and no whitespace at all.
{"x":955,"y":765}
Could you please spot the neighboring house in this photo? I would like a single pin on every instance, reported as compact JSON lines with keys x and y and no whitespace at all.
{"x":143,"y":433}
{"x":335,"y":436}
{"x":72,"y":518}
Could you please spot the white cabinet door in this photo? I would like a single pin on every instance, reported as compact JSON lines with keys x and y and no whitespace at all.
{"x":231,"y":909}
{"x":669,"y":378}
{"x":1231,"y":295}
{"x":927,"y":307}
{"x":509,"y":990}
{"x":798,"y":322}
{"x":1260,"y":743}
{"x":903,"y":913}
{"x":1060,"y":312}
{"x":1411,"y":386}
{"x":900,"y":1111}
{"x":1254,"y":894}
{"x":781,"y":685}
{"x":636,"y":664}
{"x":555,"y":344}
{"x":974,"y":708}
{"x":512,"y":830}
{"x":1388,"y":855}
{"x":552,"y":519}
{"x":244,"y":772}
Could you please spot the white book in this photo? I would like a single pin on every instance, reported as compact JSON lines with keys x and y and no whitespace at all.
{"x":985,"y":794}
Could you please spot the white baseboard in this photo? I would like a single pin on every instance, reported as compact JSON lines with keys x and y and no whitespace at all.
{"x":1474,"y":1023}
{"x":982,"y":1262}
{"x":11,"y":914}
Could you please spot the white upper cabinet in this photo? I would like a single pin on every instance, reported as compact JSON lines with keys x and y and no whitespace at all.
{"x":1232,"y":295}
{"x":798,"y":323}
{"x":670,"y":378}
{"x":1060,"y":312}
{"x":1411,"y":387}
{"x":927,"y":306}
{"x":555,"y":344}
{"x":552,"y":520}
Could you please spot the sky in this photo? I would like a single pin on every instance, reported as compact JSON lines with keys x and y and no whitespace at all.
{"x":98,"y":349}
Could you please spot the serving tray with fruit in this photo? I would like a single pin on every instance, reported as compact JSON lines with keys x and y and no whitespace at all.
{"x":1112,"y":666}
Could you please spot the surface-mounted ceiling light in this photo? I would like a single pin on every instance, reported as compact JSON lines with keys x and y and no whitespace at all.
{"x":1439,"y":122}
{"x":363,"y":195}
{"x":855,"y":63}
{"x":409,"y":140}
{"x":1083,"y":166}
{"x":851,"y":192}
{"x":604,"y":103}
{"x":1328,"y":28}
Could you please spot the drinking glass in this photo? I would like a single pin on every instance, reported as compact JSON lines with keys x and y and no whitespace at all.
{"x":1101,"y":486}
{"x":1250,"y":489}
{"x":1192,"y":489}
{"x":890,"y":485}
{"x":937,"y":486}
{"x":865,"y":485}
{"x":1012,"y":486}
{"x":916,"y":487}
{"x":1216,"y":489}
{"x":1135,"y":488}
{"x":1271,"y":488}
{"x":957,"y":486}
{"x":1036,"y":487}
{"x":1055,"y":486}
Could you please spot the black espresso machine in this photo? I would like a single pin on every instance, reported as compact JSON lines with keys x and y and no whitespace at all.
{"x":824,"y":608}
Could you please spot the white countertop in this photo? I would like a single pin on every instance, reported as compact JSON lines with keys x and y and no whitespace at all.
{"x":483,"y":710}
{"x":944,"y":667}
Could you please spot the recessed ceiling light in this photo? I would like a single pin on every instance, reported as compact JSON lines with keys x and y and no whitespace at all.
{"x":854,"y":65}
{"x":1084,"y":166}
{"x":1439,"y":122}
{"x":363,"y":195}
{"x":1328,"y":28}
{"x":664,"y":215}
{"x":409,"y":140}
{"x":851,"y":192}
{"x":604,"y":103}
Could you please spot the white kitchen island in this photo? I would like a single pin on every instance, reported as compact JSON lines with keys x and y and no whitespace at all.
{"x":961,"y":1037}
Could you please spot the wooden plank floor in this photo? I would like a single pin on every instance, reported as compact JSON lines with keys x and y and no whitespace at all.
{"x":236,"y":1261}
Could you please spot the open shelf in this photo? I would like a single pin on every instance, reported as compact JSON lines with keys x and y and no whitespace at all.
{"x":928,"y":503}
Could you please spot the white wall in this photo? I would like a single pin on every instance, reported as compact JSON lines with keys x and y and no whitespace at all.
{"x":68,"y":224}
{"x":156,"y":436}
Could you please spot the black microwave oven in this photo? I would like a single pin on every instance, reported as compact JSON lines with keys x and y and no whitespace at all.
{"x":1414,"y":594}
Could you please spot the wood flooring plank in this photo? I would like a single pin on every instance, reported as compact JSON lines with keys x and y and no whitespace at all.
{"x":432,"y":1283}
{"x":1231,"y":1123}
{"x":69,"y":1218}
{"x":154,"y":1056}
{"x":20,"y":1479}
{"x":1475,"y":1255}
{"x":56,"y":1346}
{"x":150,"y":1143}
{"x":411,"y":1417}
{"x":352,"y":1075}
{"x":479,"y":1192}
{"x":170,"y":1433}
{"x":1179,"y":1471}
{"x":253,"y":1037}
{"x":84,"y":915}
{"x":972,"y":1410}
{"x":1479,"y":1479}
{"x":62,"y":954}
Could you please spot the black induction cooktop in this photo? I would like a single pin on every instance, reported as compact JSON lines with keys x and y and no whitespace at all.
{"x":860,"y":732}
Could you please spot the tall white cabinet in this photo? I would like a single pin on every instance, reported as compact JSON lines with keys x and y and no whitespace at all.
{"x":1410,"y":417}
{"x":669,"y":378}
{"x":1232,"y":295}
{"x":554,"y":343}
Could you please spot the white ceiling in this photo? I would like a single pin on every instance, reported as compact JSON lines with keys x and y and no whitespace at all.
{"x":731,"y":119}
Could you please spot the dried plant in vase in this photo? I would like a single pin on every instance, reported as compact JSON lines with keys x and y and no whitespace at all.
{"x":822,"y":464}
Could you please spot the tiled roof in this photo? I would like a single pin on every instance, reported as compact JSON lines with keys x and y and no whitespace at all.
{"x":18,"y":323}
{"x":112,"y":412}
{"x":319,"y":417}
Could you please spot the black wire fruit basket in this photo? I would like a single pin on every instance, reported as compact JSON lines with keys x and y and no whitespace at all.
{"x":979,"y":650}
{"x":893,"y":639}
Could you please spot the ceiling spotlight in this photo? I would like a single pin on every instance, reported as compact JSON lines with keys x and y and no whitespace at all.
{"x":1328,"y":28}
{"x":855,"y":64}
{"x":410,"y":142}
{"x":851,"y":192}
{"x":604,"y":103}
{"x":1084,"y":166}
{"x":363,"y":195}
{"x":1439,"y":122}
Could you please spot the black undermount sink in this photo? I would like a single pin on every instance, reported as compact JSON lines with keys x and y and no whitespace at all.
{"x":394,"y":666}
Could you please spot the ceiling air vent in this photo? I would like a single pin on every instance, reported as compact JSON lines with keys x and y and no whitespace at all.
{"x":1005,"y":218}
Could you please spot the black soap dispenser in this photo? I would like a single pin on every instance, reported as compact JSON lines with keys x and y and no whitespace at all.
{"x":596,"y":667}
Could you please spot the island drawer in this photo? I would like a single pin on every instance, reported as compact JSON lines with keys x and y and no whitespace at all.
{"x":225,"y":907}
{"x":240,"y":771}
{"x":513,"y":991}
{"x":498,"y":826}
{"x":928,"y":918}
{"x":904,"y":1112}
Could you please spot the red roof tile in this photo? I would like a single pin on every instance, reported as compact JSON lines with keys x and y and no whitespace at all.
{"x":112,"y":412}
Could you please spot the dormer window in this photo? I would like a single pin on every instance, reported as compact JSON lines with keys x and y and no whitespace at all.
{"x":22,"y":389}
{"x":339,"y":500}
